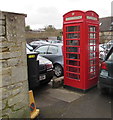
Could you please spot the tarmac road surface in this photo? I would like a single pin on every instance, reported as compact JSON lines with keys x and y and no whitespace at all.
{"x":65,"y":103}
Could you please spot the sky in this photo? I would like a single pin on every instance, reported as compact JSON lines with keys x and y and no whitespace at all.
{"x":41,"y":13}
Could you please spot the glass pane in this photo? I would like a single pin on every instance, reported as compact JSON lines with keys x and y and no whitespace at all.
{"x":73,"y":56}
{"x":42,"y":50}
{"x":92,"y":62}
{"x":52,"y":50}
{"x":92,"y":55}
{"x":73,"y":76}
{"x":92,"y":75}
{"x":92,"y":35}
{"x":110,"y":57}
{"x":72,"y":62}
{"x":73,"y":49}
{"x":73,"y":29}
{"x":92,"y":48}
{"x":92,"y":42}
{"x":91,"y":69}
{"x":92,"y":29}
{"x":73,"y":69}
{"x":73,"y":35}
{"x":73,"y":42}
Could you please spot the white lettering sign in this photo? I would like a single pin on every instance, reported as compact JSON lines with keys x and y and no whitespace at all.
{"x":74,"y":18}
{"x":91,"y":18}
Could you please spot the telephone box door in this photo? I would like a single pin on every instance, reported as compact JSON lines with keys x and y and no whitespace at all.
{"x":72,"y":56}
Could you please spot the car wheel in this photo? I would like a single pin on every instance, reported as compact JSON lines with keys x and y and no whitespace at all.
{"x":58,"y":70}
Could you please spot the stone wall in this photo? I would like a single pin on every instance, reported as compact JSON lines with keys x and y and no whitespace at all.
{"x":106,"y":36}
{"x":30,"y":35}
{"x":14,"y":99}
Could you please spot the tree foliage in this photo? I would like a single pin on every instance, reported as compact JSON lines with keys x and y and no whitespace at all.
{"x":50,"y":28}
{"x":27,"y":28}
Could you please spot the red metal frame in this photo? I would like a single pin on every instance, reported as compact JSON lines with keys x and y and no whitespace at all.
{"x":81,"y":49}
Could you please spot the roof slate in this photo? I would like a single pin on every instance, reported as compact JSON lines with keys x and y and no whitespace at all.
{"x":106,"y":24}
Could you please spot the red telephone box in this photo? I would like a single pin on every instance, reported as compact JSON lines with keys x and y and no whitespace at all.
{"x":81,"y":49}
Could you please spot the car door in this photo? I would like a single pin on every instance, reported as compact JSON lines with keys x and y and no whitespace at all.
{"x":52,"y":53}
{"x":109,"y":61}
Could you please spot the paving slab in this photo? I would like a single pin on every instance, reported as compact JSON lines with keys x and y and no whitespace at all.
{"x":64,"y":94}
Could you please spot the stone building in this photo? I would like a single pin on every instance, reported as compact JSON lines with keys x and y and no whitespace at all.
{"x":106,"y":29}
{"x":14,"y":98}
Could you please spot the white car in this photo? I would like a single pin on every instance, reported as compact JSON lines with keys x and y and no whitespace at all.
{"x":101,"y":52}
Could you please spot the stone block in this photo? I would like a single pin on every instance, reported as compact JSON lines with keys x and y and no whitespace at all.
{"x":2,"y":15}
{"x":0,"y":81}
{"x":6,"y":80}
{"x":4,"y":49}
{"x":15,"y":99}
{"x":57,"y":82}
{"x":6,"y":112}
{"x":0,"y":93}
{"x":24,"y":59}
{"x":14,"y":48}
{"x":19,"y":73}
{"x":2,"y":21}
{"x":5,"y":71}
{"x":4,"y":103}
{"x":14,"y":86}
{"x":3,"y":63}
{"x":20,"y":97}
{"x":2,"y":31}
{"x":2,"y":39}
{"x":0,"y":97}
{"x":5,"y":93}
{"x":0,"y":114}
{"x":3,"y":44}
{"x":4,"y":55}
{"x":24,"y":113}
{"x":0,"y":104}
{"x":14,"y":62}
{"x":15,"y":54}
{"x":16,"y":91}
{"x":23,"y":48}
{"x":11,"y":44}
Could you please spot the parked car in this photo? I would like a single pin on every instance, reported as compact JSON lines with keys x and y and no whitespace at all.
{"x":106,"y":73}
{"x":28,"y":48}
{"x":53,"y":52}
{"x":55,"y":41}
{"x":37,"y":43}
{"x":107,"y":46}
{"x":101,"y":52}
{"x":110,"y":42}
{"x":45,"y":70}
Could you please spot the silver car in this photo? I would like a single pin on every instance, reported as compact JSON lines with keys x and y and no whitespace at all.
{"x":53,"y":52}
